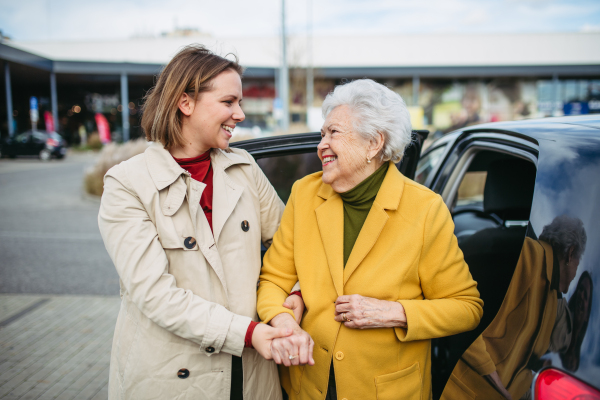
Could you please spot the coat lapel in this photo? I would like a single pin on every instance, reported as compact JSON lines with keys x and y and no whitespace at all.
{"x":330,"y":220}
{"x":226,"y":192}
{"x":388,"y":198}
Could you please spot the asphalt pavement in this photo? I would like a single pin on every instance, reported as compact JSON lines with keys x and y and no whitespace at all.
{"x":58,"y":288}
{"x":49,"y":238}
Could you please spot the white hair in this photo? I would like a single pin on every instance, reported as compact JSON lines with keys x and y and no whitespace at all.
{"x":376,"y":109}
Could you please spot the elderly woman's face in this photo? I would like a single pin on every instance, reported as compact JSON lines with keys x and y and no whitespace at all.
{"x":343,"y":152}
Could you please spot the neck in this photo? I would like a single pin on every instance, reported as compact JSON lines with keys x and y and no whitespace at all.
{"x":363,"y":173}
{"x":192,"y":147}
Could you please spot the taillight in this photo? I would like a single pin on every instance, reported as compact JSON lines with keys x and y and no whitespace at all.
{"x":552,"y":384}
{"x":52,"y":142}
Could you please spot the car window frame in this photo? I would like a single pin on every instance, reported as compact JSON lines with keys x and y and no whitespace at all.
{"x":509,"y":141}
{"x":450,"y":189}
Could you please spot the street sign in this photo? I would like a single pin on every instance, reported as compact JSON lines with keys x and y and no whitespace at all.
{"x":33,"y":109}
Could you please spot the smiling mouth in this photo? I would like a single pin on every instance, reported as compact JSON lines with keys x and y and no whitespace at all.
{"x":228,"y":129}
{"x":328,"y":160}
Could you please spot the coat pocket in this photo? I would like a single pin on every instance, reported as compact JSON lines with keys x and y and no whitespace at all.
{"x":404,"y":384}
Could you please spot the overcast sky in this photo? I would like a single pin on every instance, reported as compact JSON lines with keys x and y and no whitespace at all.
{"x":42,"y":20}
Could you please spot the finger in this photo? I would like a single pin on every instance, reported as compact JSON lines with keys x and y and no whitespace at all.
{"x":311,"y":346}
{"x":343,"y":299}
{"x":344,"y":307}
{"x":287,"y":305}
{"x":304,"y":352}
{"x":298,"y":315}
{"x":278,"y":351}
{"x":295,"y":350}
{"x":287,"y":351}
{"x":279,"y":333}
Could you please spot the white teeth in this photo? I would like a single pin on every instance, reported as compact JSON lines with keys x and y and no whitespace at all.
{"x":227,"y":128}
{"x":329,"y":159}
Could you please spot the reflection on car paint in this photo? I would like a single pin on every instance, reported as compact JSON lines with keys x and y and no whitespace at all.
{"x":548,"y":316}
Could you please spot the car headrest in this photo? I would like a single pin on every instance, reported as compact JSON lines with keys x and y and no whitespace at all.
{"x":508,"y":190}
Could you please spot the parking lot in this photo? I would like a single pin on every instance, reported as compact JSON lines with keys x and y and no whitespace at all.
{"x":58,"y":288}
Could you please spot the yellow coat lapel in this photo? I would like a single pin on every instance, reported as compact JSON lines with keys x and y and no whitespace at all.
{"x":330,"y":219}
{"x":388,"y":198}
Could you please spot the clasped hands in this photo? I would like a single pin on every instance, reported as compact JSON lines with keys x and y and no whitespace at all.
{"x":294,"y":346}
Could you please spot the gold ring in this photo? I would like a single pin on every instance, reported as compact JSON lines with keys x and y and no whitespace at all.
{"x":344,"y":318}
{"x":292,"y":357}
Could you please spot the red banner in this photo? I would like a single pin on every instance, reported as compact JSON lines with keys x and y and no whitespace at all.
{"x":103,"y":128}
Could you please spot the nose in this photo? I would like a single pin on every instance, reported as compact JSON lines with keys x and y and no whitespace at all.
{"x":323,"y":144}
{"x":238,"y":114}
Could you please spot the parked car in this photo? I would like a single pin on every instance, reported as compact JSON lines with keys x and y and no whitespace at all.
{"x":506,"y":184}
{"x":34,"y":143}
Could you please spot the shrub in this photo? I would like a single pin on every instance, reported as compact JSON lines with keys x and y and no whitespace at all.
{"x":93,"y":141}
{"x":111,"y":155}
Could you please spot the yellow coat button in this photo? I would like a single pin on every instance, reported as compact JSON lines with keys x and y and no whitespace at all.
{"x":339,"y":355}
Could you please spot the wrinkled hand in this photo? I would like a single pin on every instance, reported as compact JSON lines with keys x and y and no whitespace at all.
{"x":263,"y":336}
{"x":296,"y":304}
{"x":367,"y":312}
{"x":299,"y":344}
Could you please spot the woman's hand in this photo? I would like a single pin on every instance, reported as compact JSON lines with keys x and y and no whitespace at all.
{"x":296,"y":304}
{"x":360,"y":312}
{"x":263,"y":336}
{"x":299,"y":345}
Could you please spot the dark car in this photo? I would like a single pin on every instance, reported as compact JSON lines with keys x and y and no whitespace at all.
{"x":516,"y":191}
{"x":34,"y":143}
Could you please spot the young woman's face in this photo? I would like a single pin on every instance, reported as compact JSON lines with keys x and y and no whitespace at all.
{"x":216,"y":112}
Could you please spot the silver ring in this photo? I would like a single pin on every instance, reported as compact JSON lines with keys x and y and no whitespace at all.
{"x":292,"y":357}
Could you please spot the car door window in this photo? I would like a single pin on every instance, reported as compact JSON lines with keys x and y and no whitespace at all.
{"x":491,"y":191}
{"x":283,"y":171}
{"x":428,"y":164}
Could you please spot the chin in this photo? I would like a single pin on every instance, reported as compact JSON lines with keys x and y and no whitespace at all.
{"x":327,"y":178}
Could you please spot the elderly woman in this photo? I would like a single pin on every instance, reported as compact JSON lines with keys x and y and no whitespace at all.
{"x":376,"y":257}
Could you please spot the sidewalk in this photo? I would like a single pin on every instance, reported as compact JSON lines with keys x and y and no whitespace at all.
{"x":55,"y":347}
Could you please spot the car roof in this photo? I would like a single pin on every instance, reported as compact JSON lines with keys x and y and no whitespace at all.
{"x":545,"y":128}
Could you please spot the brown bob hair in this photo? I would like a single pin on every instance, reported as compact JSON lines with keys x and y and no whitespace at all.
{"x":190,"y":71}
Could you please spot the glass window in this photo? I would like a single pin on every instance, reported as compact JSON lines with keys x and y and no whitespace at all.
{"x":428,"y":163}
{"x":471,"y":188}
{"x":283,"y":171}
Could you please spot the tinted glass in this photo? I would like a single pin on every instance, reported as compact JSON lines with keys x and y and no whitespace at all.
{"x":283,"y":171}
{"x":428,"y":163}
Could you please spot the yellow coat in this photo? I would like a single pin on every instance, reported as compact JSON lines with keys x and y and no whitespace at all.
{"x":406,"y":252}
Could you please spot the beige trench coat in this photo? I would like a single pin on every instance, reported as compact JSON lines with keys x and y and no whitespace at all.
{"x":187,"y":296}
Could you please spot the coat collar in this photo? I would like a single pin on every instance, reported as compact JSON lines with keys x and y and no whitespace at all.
{"x":330,"y":220}
{"x":164,"y":170}
{"x":389,"y":194}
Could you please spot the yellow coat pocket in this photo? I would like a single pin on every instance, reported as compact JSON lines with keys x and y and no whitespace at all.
{"x":404,"y":384}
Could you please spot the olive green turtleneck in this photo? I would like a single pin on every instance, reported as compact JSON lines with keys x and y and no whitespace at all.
{"x":357,"y":204}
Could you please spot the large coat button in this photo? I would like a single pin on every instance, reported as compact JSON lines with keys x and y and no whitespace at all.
{"x":183,"y":373}
{"x":189,"y":242}
{"x":210,"y":349}
{"x":245,"y":226}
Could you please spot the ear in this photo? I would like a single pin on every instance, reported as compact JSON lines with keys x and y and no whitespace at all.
{"x":571,"y":250}
{"x":186,"y":105}
{"x":375,"y":145}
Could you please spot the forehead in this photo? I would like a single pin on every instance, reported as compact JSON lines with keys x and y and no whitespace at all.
{"x":227,"y":80}
{"x":340,"y":115}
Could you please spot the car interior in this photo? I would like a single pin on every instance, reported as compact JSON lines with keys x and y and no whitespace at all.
{"x":490,"y":203}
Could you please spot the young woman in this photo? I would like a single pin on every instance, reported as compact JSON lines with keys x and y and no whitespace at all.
{"x":183,"y":223}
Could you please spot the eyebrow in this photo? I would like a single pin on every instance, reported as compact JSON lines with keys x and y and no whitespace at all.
{"x":329,"y":127}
